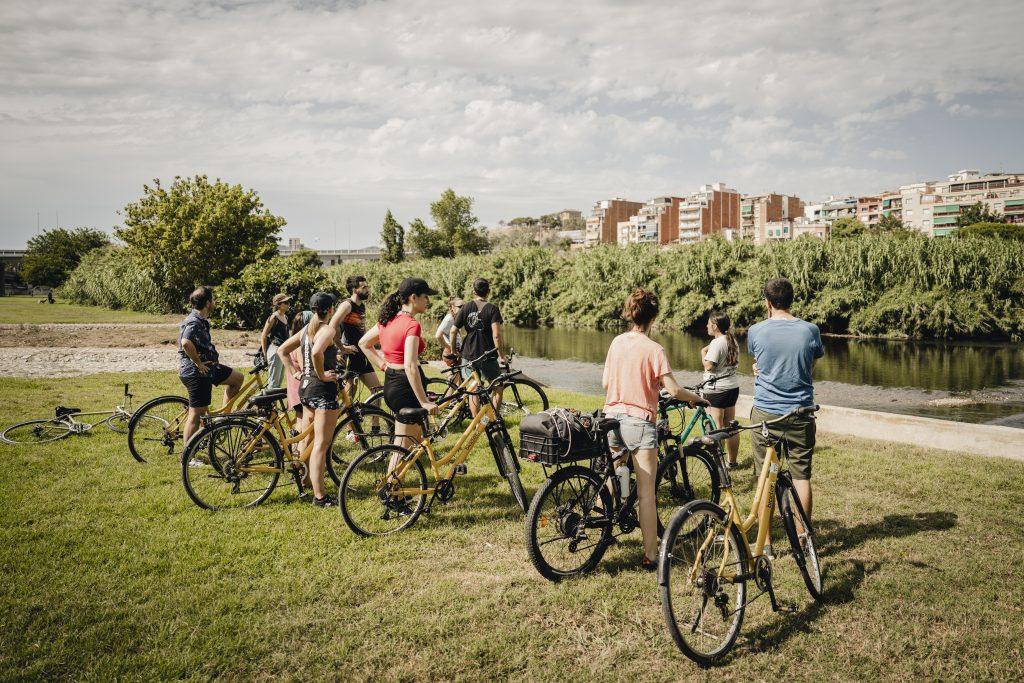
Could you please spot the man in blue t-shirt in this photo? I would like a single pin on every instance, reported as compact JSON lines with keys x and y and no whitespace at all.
{"x":785,"y":348}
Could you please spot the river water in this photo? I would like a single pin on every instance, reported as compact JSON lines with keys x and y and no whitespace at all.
{"x":970,"y":382}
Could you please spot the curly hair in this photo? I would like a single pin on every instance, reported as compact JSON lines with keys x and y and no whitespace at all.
{"x":641,"y":307}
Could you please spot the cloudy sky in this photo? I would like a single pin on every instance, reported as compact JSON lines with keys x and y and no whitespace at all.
{"x":337,"y":111}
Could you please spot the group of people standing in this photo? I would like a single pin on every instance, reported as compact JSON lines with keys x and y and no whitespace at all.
{"x":306,"y":351}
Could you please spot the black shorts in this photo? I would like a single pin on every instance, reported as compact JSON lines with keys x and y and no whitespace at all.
{"x":398,"y":392}
{"x":200,"y":387}
{"x":723,"y":399}
{"x":359,"y":363}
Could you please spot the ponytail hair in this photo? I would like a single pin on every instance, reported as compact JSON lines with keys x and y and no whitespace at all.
{"x":723,"y":323}
{"x":389,"y":309}
{"x":641,"y":307}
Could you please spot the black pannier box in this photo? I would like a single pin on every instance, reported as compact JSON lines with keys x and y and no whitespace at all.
{"x":558,"y":436}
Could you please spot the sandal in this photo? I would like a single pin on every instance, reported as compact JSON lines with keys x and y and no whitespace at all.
{"x":648,"y":565}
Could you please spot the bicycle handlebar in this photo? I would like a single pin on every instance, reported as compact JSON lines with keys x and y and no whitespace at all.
{"x":735,"y":428}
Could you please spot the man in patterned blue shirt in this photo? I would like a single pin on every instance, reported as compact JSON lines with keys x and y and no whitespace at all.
{"x":198,"y":366}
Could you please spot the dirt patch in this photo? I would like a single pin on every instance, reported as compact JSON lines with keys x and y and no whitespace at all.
{"x":113,"y":335}
{"x":70,"y":362}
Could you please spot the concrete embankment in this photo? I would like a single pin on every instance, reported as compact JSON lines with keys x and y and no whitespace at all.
{"x":925,"y":432}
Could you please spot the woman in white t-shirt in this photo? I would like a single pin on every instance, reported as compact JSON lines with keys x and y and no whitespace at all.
{"x":720,"y":358}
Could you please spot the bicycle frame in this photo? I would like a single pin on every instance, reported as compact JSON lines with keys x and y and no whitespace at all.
{"x":285,"y":442}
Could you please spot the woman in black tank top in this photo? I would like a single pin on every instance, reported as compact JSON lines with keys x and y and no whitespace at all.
{"x":318,"y":388}
{"x":275,"y":331}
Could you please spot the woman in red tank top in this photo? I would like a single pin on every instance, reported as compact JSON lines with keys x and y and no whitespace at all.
{"x":401,"y":342}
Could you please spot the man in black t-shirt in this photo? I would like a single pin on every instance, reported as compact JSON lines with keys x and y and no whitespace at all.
{"x":480,"y":321}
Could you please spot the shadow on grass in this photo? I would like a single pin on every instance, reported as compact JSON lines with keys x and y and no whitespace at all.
{"x":833,"y":537}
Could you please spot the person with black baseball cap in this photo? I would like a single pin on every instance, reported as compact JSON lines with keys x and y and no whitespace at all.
{"x":401,"y":342}
{"x":318,"y":388}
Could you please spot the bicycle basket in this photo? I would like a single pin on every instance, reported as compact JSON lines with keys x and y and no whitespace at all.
{"x":558,"y":436}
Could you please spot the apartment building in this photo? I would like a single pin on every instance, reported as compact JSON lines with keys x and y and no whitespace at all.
{"x":869,"y":210}
{"x":756,"y":211}
{"x":657,"y":222}
{"x":605,"y":216}
{"x":838,"y":207}
{"x":567,"y":215}
{"x":793,"y":228}
{"x":712,"y":210}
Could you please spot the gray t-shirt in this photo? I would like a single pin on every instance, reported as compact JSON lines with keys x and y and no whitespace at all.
{"x":445,"y":328}
{"x":718,"y":353}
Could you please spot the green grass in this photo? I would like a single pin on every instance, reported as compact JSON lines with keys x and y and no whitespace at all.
{"x":27,"y":309}
{"x":110,"y":572}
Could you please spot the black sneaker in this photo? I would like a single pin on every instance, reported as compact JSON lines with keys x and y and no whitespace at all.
{"x":325,"y":502}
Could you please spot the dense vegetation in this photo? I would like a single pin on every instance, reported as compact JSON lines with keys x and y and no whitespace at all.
{"x":890,"y":285}
{"x":52,"y":255}
{"x":898,"y":285}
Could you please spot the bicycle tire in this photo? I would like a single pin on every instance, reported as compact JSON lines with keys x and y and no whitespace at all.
{"x":140,"y":443}
{"x":213,"y":444}
{"x":363,"y":436}
{"x":118,"y":423}
{"x":523,"y":396}
{"x":568,"y":520}
{"x":359,"y":500}
{"x":804,"y":548}
{"x":504,"y":455}
{"x":685,"y":533}
{"x":37,"y":432}
{"x":688,"y":478}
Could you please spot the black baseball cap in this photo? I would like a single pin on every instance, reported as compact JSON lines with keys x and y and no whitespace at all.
{"x":321,"y":301}
{"x":414,"y":285}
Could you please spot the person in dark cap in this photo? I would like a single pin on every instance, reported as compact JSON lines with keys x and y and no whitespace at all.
{"x":318,"y":388}
{"x":275,"y":331}
{"x":401,"y":342}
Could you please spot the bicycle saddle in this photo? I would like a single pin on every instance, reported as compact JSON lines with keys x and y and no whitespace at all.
{"x":412,"y":414}
{"x":268,"y":397}
{"x":63,"y":410}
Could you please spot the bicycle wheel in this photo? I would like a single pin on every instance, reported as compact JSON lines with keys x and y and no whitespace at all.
{"x":681,"y":480}
{"x":36,"y":431}
{"x":366,"y":496}
{"x":504,"y":456}
{"x":522,"y":397}
{"x":231,"y":465}
{"x":800,"y":533}
{"x":567,"y":526}
{"x":154,"y":431}
{"x":703,"y":612}
{"x":361,"y":429}
{"x":118,"y":422}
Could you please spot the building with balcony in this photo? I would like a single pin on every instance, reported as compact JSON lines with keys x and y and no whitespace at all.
{"x":869,"y":210}
{"x":838,"y":207}
{"x":756,"y":211}
{"x":604,"y":219}
{"x":657,"y":222}
{"x":712,"y":210}
{"x":793,"y":228}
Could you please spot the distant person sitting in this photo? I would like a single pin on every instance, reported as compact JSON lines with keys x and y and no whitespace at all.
{"x":785,"y":349}
{"x":199,"y":368}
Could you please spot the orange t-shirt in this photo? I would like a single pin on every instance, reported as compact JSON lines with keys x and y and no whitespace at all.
{"x":632,"y":375}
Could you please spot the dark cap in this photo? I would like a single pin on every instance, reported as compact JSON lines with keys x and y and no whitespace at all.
{"x":321,"y":301}
{"x":414,"y":285}
{"x":281,"y":299}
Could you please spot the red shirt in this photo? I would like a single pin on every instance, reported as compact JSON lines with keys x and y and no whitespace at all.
{"x":392,"y":338}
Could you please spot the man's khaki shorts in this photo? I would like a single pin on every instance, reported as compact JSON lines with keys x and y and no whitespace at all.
{"x":799,"y":433}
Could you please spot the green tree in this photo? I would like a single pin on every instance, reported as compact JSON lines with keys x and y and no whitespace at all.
{"x":889,"y":223}
{"x":198,"y":232}
{"x":978,"y":213}
{"x":1010,"y":231}
{"x":53,"y":254}
{"x":392,"y":235}
{"x":456,"y":232}
{"x":847,"y":226}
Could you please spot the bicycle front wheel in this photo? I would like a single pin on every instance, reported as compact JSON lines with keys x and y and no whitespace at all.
{"x":118,"y":422}
{"x":522,"y":397}
{"x":362,"y":429}
{"x":231,"y":464}
{"x":372,"y":499}
{"x":568,"y":526}
{"x":703,"y":604}
{"x":504,"y":455}
{"x":686,"y":478}
{"x":154,"y":431}
{"x":35,"y":431}
{"x":801,"y":535}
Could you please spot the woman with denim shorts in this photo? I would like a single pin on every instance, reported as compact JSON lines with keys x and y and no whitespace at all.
{"x":635,"y":370}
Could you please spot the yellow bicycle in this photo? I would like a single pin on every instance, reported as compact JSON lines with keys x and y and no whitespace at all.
{"x":706,"y":559}
{"x":237,"y":459}
{"x":385,"y":489}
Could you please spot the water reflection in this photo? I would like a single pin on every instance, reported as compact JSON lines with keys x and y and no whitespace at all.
{"x":935,"y":366}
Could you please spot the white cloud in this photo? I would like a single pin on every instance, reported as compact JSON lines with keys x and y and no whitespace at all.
{"x":348,"y":109}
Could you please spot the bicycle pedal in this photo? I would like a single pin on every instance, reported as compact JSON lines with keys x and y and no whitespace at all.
{"x":461,"y":469}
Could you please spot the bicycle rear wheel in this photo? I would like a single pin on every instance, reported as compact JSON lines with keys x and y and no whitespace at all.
{"x":684,"y":479}
{"x":154,"y":432}
{"x":568,"y":527}
{"x":360,"y":430}
{"x":366,"y":496}
{"x":703,"y":612}
{"x":35,"y":432}
{"x":231,"y":465}
{"x":800,"y":533}
{"x":522,"y":397}
{"x":504,"y":455}
{"x":118,"y":422}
